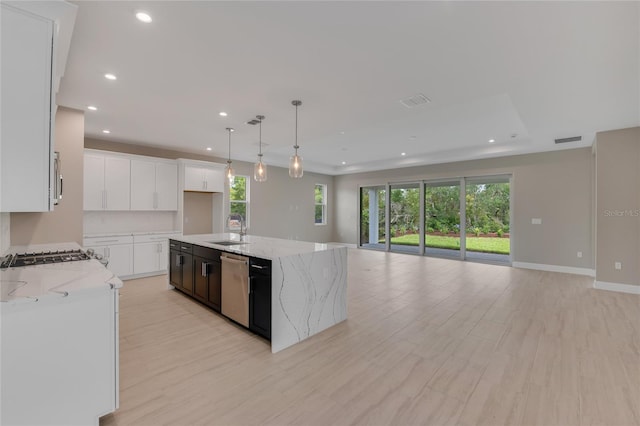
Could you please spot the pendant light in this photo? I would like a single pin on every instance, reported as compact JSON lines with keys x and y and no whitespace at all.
{"x":229,"y":173}
{"x":295,"y":162}
{"x":260,"y":169}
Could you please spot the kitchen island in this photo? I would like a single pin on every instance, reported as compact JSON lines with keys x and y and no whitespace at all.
{"x":308,"y":285}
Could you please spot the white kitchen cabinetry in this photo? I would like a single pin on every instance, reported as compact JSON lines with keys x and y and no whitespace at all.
{"x":60,"y":361}
{"x":118,"y":249}
{"x":204,"y":178}
{"x":106,"y":182}
{"x":29,"y":45}
{"x":154,"y":185}
{"x":151,"y":253}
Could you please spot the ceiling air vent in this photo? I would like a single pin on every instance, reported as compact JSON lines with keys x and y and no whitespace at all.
{"x":415,"y":101}
{"x":571,"y":139}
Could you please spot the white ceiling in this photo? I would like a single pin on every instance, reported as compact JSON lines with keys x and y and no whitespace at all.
{"x":492,"y":70}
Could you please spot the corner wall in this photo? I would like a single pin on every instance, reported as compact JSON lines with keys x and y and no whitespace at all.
{"x":64,"y":223}
{"x":618,"y":207}
{"x":554,"y":186}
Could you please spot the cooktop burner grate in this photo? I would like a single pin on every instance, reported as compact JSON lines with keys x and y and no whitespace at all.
{"x":43,"y":258}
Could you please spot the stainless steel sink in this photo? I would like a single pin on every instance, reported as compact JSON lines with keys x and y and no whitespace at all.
{"x":227,"y":243}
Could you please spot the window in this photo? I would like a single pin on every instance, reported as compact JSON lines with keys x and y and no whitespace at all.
{"x":238,"y":197}
{"x":321,"y":204}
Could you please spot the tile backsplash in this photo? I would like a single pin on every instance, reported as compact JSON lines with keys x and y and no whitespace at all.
{"x":129,"y":221}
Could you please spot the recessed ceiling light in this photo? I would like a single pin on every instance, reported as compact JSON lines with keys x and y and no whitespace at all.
{"x":342,"y":133}
{"x":492,"y":140}
{"x":344,"y":162}
{"x":208,"y":148}
{"x":403,"y":154}
{"x":92,"y":108}
{"x":144,"y":17}
{"x":106,"y":131}
{"x":110,"y":76}
{"x":222,"y":114}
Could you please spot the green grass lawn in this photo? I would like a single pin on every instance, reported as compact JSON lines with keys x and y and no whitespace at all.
{"x":479,"y":244}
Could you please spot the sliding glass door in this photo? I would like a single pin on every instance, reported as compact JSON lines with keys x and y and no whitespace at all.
{"x":442,"y":218}
{"x":487,"y":214}
{"x":465,"y":218}
{"x":372,"y":217}
{"x":404,"y":217}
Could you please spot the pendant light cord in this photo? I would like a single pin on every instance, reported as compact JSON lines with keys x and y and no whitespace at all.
{"x":296,"y":145}
{"x":229,"y":159}
{"x":260,"y":140}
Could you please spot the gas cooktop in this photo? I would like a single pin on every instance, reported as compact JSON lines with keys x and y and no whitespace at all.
{"x":43,"y":258}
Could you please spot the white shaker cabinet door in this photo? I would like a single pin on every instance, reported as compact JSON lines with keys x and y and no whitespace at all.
{"x":120,"y":257}
{"x":117,"y":183}
{"x":146,"y":257}
{"x":194,"y":179}
{"x":93,"y":182}
{"x":163,"y":262}
{"x":143,"y":185}
{"x":214,"y":180}
{"x":26,"y":131}
{"x":166,"y":186}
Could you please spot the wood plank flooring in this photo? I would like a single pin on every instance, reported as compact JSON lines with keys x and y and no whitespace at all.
{"x":428,"y":341}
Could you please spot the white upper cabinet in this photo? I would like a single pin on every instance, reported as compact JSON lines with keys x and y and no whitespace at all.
{"x":204,"y":178}
{"x":106,"y":182}
{"x":30,"y":42}
{"x":154,"y":185}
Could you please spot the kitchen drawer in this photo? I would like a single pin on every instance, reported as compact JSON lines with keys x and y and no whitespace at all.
{"x":206,"y":252}
{"x":185,"y":247}
{"x":107,"y":241}
{"x":153,"y":238}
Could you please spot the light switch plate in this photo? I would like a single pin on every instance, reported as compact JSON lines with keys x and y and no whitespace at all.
{"x":618,"y":265}
{"x":536,"y":221}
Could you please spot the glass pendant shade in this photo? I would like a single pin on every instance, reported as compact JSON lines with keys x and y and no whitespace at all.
{"x":229,"y":173}
{"x":295,"y":166}
{"x":295,"y":162}
{"x":260,"y":170}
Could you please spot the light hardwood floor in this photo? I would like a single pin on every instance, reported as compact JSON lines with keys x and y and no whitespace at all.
{"x":428,"y":341}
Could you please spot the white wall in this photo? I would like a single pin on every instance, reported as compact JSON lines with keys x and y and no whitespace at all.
{"x":553,"y":186}
{"x":283,"y":207}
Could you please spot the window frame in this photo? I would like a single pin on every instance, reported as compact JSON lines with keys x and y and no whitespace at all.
{"x":323,"y":204}
{"x":245,"y":201}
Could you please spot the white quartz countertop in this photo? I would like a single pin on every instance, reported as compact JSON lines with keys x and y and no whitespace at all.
{"x":255,"y":246}
{"x":30,"y":283}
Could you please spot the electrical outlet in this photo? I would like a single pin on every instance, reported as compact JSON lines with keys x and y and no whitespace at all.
{"x":580,"y":255}
{"x":536,"y":221}
{"x":618,"y":266}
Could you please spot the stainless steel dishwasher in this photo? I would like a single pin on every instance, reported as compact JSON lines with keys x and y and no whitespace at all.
{"x":235,"y":287}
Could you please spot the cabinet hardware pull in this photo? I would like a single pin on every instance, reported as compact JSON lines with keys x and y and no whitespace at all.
{"x":205,"y":269}
{"x":258,"y":267}
{"x":185,"y":248}
{"x":178,"y":260}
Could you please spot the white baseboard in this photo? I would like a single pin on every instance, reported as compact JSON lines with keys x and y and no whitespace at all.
{"x":622,"y":288}
{"x":555,"y":268}
{"x":346,"y":245}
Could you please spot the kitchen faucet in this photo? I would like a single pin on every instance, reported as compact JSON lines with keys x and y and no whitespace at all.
{"x":233,"y":220}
